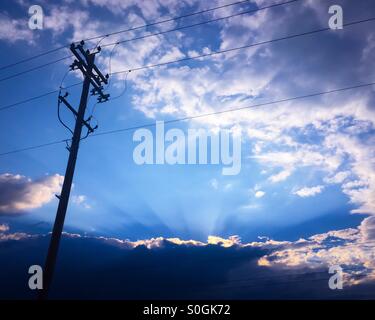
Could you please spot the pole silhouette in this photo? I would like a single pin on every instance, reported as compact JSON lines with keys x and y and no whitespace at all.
{"x":85,"y":62}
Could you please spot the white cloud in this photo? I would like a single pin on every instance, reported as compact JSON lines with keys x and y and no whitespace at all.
{"x":19,"y":193}
{"x":14,"y":236}
{"x":4,"y":227}
{"x":338,"y":177}
{"x":13,"y":30}
{"x":367,"y":229}
{"x":303,"y":156}
{"x":63,"y":18}
{"x":4,"y":236}
{"x":281,"y":176}
{"x":309,"y":192}
{"x":350,"y":248}
{"x":228,"y":186}
{"x":160,"y":242}
{"x":256,"y":76}
{"x":173,"y":54}
{"x":259,"y":194}
{"x":226,"y":243}
{"x":214,"y":184}
{"x":361,"y":188}
{"x":81,"y":200}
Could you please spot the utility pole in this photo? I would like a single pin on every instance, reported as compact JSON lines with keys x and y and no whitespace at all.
{"x":85,"y":62}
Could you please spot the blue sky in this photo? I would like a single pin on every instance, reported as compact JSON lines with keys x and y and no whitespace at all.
{"x":307,"y":165}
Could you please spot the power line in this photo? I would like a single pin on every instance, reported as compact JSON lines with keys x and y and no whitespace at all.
{"x":32,"y":57}
{"x":202,"y":23}
{"x":168,"y":20}
{"x":241,"y":47}
{"x":59,"y":102}
{"x":199,"y":116}
{"x":148,"y":36}
{"x":35,"y":147}
{"x":196,"y":57}
{"x":122,"y":31}
{"x":34,"y":68}
{"x":36,"y":97}
{"x":237,"y":109}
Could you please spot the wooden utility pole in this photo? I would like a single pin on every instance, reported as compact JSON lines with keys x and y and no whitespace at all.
{"x":85,"y":62}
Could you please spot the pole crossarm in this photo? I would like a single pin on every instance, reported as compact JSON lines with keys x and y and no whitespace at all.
{"x":69,"y":106}
{"x":95,"y":75}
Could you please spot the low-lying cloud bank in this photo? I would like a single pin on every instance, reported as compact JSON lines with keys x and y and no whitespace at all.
{"x":353,"y":249}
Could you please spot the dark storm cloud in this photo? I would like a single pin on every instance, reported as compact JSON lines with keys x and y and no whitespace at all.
{"x":113,"y":269}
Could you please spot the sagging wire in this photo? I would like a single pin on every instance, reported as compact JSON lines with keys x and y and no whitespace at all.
{"x":109,"y":68}
{"x":93,"y":108}
{"x":109,"y":80}
{"x":125,"y":87}
{"x":110,"y":71}
{"x":61,"y":88}
{"x":95,"y":127}
{"x":110,"y":63}
{"x":89,"y":121}
{"x":98,"y":43}
{"x":92,"y":113}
